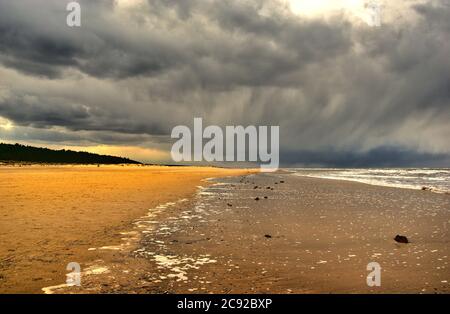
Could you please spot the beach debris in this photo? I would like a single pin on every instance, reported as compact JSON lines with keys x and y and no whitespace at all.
{"x":229,"y":205}
{"x":265,"y":197}
{"x":268,"y":236}
{"x":401,"y":239}
{"x":255,"y":187}
{"x":281,"y":181}
{"x":256,"y":198}
{"x":425,"y":188}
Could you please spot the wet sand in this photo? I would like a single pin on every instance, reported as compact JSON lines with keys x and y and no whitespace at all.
{"x":53,"y":215}
{"x":271,"y":233}
{"x":309,"y":236}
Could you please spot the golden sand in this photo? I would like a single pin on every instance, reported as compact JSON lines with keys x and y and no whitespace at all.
{"x":52,"y":215}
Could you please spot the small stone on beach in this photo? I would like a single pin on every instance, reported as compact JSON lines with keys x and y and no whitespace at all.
{"x":401,"y":239}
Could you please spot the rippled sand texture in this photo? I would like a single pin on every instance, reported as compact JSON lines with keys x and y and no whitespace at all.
{"x":315,"y":235}
{"x":53,"y":215}
{"x":302,"y":235}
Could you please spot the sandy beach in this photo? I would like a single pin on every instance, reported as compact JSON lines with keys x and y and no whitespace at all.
{"x":156,"y":231}
{"x":52,"y":215}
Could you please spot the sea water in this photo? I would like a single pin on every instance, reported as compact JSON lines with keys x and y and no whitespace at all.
{"x":436,"y":180}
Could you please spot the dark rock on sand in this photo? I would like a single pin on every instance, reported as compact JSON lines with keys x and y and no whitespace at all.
{"x":401,"y":239}
{"x":268,"y":236}
{"x":265,"y":197}
{"x":229,"y":205}
{"x":257,"y":199}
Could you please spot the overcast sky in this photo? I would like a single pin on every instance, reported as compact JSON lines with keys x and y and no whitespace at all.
{"x":344,"y":92}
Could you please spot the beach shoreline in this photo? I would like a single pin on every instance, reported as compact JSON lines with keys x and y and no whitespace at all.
{"x":235,"y":232}
{"x":52,"y":215}
{"x":309,"y":236}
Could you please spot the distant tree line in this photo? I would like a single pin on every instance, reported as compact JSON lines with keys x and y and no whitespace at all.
{"x":22,"y":153}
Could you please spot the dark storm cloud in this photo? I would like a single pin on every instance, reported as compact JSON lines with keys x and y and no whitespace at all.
{"x":30,"y":111}
{"x":43,"y":112}
{"x":340,"y":91}
{"x":380,"y":157}
{"x":35,"y":32}
{"x":58,"y":136}
{"x":30,"y":38}
{"x":265,"y":49}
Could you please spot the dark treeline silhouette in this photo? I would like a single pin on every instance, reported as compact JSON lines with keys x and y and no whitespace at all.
{"x":23,"y":153}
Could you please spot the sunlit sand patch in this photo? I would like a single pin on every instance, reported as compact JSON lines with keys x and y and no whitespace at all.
{"x":54,"y":289}
{"x":96,"y":270}
{"x":127,"y":242}
{"x":112,"y":247}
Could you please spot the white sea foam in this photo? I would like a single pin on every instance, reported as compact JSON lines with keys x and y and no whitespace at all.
{"x":92,"y":270}
{"x":436,"y":180}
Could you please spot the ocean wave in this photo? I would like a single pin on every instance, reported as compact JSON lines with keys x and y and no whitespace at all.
{"x":436,"y":180}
